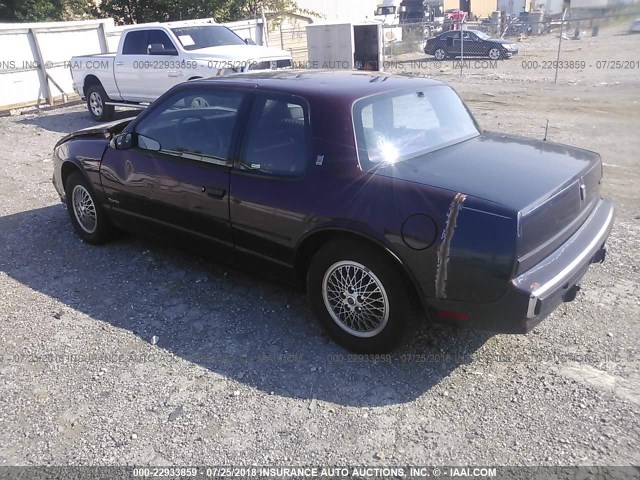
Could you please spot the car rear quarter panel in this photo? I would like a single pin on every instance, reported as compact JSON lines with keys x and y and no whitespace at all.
{"x":459,"y":249}
{"x":408,"y":218}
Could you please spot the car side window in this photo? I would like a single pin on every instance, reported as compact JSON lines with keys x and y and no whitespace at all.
{"x":135,"y":43}
{"x":276,"y":142}
{"x":158,"y":36}
{"x":196,"y":124}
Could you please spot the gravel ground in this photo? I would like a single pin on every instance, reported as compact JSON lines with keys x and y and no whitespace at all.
{"x":136,"y":353}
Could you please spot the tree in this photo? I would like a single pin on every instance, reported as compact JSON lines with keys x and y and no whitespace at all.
{"x":239,"y":9}
{"x":42,"y":10}
{"x":141,"y":11}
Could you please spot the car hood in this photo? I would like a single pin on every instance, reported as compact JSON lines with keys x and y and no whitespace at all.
{"x":105,"y":130}
{"x":239,"y":52}
{"x":515,"y":172}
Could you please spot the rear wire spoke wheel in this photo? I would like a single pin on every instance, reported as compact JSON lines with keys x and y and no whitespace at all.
{"x":360,"y":296}
{"x":356,"y":299}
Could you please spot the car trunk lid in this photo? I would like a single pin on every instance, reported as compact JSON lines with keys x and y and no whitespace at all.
{"x":551,"y":187}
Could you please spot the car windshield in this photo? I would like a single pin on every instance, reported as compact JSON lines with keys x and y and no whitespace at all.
{"x":394,"y":127}
{"x":481,"y":35}
{"x":204,"y":36}
{"x":386,"y":11}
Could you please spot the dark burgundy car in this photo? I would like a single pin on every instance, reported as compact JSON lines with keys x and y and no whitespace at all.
{"x":375,"y":192}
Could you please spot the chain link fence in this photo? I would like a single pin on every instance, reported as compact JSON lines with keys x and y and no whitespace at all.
{"x":557,"y":44}
{"x":292,"y":39}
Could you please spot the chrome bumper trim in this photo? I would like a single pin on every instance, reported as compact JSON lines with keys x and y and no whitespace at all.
{"x":566,"y":272}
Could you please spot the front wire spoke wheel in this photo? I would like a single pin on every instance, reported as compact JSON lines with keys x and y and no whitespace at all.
{"x":84,"y":209}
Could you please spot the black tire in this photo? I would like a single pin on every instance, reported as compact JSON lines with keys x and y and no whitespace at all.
{"x":382,"y":335}
{"x":96,"y":104}
{"x":495,"y":53}
{"x":103,"y":230}
{"x":195,"y":101}
{"x":442,"y":53}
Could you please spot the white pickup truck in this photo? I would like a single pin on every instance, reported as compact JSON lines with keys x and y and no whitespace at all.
{"x":152,"y":58}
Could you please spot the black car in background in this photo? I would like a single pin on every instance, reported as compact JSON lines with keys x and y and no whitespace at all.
{"x":472,"y":43}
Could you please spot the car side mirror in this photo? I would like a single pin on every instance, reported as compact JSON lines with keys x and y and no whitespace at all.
{"x":249,"y":41}
{"x":123,"y":141}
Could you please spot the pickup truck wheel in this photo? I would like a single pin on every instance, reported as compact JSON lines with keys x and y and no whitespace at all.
{"x":87,"y":216}
{"x":359,"y":297}
{"x":197,"y":102}
{"x":96,"y":104}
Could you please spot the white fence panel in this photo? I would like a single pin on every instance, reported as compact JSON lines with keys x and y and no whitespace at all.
{"x":34,"y":65}
{"x":19,"y":79}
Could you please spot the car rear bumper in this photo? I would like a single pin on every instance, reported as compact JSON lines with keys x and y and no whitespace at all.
{"x":549,"y":282}
{"x":537,"y":292}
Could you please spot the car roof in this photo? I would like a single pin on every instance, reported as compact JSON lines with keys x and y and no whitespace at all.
{"x":176,"y":24}
{"x":349,"y":85}
{"x":463,"y":30}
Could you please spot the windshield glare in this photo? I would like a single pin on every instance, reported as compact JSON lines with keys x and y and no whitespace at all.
{"x":403,"y":125}
{"x":204,"y":36}
{"x":482,"y":35}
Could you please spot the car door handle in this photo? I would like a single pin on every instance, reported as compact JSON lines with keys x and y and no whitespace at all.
{"x":213,"y":192}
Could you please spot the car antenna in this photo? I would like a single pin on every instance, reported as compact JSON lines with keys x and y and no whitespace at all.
{"x":546,"y":129}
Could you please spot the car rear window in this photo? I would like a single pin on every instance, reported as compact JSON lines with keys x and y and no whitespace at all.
{"x":135,"y":43}
{"x":394,"y":127}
